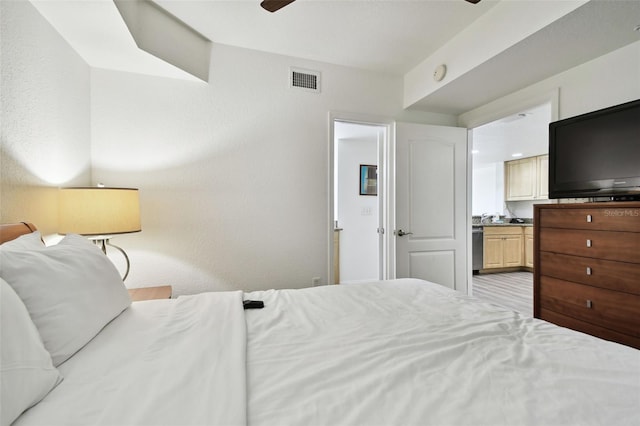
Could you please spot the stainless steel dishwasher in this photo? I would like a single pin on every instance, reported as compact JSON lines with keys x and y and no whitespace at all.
{"x":477,"y":236}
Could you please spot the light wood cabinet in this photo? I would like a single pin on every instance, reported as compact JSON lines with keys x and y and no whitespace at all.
{"x":503,"y":247}
{"x":336,"y":255}
{"x":520,"y":178}
{"x":527,"y":178}
{"x":587,"y":268}
{"x":492,"y":251}
{"x":528,"y":247}
{"x":542,"y":167}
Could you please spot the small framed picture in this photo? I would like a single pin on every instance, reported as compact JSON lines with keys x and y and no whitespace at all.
{"x":368,"y":179}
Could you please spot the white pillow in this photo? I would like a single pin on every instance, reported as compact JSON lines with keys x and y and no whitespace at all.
{"x":25,"y":366}
{"x":71,"y":290}
{"x":29,"y":241}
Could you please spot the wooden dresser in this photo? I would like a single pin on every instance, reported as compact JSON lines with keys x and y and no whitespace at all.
{"x":587,"y":268}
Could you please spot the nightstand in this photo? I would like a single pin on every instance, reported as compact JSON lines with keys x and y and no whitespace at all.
{"x":150,"y":293}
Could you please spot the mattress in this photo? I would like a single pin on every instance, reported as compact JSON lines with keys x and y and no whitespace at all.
{"x":401,"y":352}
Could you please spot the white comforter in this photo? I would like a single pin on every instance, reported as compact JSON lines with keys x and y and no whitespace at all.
{"x":164,"y":362}
{"x":415,"y":353}
{"x":404,"y":352}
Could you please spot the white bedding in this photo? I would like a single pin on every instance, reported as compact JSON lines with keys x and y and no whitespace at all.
{"x":404,"y":352}
{"x":415,"y":353}
{"x":161,"y":362}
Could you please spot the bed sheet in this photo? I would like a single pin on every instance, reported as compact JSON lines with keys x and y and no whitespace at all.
{"x":161,"y":362}
{"x":409,"y":352}
{"x":402,"y":352}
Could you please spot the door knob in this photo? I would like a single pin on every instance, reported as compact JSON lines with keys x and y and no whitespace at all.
{"x":401,"y":233}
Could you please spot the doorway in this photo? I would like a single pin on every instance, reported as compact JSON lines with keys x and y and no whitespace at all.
{"x":358,"y":170}
{"x":519,"y":139}
{"x":523,"y":134}
{"x":426,"y":202}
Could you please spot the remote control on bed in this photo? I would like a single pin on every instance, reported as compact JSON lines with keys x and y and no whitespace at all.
{"x":253,"y":304}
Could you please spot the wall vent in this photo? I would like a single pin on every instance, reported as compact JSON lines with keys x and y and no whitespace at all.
{"x":304,"y":79}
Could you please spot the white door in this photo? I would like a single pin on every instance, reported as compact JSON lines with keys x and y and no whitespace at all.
{"x":431,"y":204}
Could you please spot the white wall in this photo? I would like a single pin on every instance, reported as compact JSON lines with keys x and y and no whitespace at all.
{"x":488,"y":189}
{"x":45,"y":121}
{"x":357,"y":214}
{"x":605,"y":81}
{"x":523,"y":209}
{"x":232,"y":175}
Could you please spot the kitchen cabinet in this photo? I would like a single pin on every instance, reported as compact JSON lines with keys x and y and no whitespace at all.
{"x":528,"y":247}
{"x":503,"y":247}
{"x":527,"y":178}
{"x":542,"y":167}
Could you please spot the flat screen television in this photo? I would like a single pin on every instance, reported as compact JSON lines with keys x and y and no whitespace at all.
{"x":596,"y":154}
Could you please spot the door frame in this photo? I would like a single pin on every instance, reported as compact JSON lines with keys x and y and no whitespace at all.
{"x":386,"y":203}
{"x":493,"y":111}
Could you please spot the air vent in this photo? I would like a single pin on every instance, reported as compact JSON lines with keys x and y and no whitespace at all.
{"x":304,"y":79}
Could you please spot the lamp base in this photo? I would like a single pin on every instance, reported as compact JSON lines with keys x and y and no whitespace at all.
{"x":104,"y":242}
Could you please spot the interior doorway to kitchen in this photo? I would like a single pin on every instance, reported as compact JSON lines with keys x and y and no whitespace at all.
{"x":503,"y":246}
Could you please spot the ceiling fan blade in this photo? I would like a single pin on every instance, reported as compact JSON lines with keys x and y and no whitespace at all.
{"x":273,"y":5}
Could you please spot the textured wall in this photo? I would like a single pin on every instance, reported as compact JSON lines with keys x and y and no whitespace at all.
{"x":233,"y":175}
{"x":46,"y":126}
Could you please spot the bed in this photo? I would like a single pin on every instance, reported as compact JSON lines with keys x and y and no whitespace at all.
{"x":398,"y":352}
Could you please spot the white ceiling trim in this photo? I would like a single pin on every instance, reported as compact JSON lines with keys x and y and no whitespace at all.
{"x":587,"y":32}
{"x":163,"y":35}
{"x":97,"y":32}
{"x":503,"y":26}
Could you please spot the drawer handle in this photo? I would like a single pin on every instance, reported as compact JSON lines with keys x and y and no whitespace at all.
{"x":588,"y":270}
{"x":589,"y":304}
{"x":589,"y":218}
{"x":588,"y":243}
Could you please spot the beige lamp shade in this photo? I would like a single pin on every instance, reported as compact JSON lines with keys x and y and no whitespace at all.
{"x":98,"y":211}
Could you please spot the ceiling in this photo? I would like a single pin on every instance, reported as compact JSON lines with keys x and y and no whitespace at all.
{"x":383,"y":36}
{"x":524,"y":133}
{"x":387,"y":36}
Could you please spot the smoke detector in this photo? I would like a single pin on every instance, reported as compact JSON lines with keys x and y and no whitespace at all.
{"x":440,"y":72}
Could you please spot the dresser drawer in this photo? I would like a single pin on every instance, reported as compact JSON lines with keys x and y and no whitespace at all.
{"x":604,"y":308}
{"x":619,"y":246}
{"x":603,"y":219}
{"x":619,"y":276}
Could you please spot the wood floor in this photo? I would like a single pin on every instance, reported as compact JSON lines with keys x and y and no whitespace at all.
{"x":513,"y":290}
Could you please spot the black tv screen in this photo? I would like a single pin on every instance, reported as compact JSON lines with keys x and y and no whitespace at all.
{"x":596,"y":154}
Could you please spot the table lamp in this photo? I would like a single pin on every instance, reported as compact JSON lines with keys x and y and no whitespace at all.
{"x":99,"y":213}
